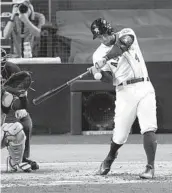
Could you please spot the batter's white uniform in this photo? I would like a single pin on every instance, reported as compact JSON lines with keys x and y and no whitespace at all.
{"x":132,"y":100}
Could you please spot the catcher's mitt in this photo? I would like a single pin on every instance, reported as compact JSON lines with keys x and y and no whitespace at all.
{"x":18,"y":83}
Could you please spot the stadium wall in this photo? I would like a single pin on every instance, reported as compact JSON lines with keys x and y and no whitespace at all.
{"x":53,"y":116}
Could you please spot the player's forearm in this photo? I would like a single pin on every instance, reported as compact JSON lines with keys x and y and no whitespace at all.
{"x":20,"y":103}
{"x":107,"y":77}
{"x":8,"y":29}
{"x":122,"y":45}
{"x":33,"y":29}
{"x":23,"y":102}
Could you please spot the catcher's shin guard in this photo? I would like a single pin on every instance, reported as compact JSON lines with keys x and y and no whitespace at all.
{"x":11,"y":166}
{"x":15,"y":140}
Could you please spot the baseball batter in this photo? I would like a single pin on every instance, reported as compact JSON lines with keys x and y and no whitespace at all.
{"x":120,"y":58}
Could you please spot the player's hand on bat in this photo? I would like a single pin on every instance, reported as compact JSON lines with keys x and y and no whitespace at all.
{"x":98,"y":66}
{"x":93,"y":70}
{"x":100,"y":63}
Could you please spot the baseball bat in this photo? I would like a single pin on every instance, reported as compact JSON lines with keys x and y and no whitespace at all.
{"x":54,"y":91}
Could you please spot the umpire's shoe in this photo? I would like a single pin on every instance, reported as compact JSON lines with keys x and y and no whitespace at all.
{"x":148,"y":173}
{"x":106,"y":165}
{"x":34,"y":165}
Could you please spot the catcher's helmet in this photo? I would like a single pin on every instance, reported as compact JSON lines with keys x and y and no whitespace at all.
{"x":100,"y":27}
{"x":3,"y":57}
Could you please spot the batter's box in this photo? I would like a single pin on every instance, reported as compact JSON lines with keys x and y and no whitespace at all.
{"x":84,"y":173}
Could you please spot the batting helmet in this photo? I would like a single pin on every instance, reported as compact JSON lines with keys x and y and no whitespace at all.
{"x":100,"y":27}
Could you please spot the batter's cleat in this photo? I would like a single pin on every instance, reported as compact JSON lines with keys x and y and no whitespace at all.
{"x":148,"y":173}
{"x":34,"y":165}
{"x":106,"y":165}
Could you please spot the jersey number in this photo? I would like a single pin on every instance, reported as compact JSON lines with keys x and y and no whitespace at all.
{"x":137,"y":58}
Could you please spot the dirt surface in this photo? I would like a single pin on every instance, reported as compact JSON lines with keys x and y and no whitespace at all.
{"x":80,"y":177}
{"x":72,"y":168}
{"x":104,"y":188}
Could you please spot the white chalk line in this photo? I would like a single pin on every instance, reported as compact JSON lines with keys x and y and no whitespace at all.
{"x":70,"y":182}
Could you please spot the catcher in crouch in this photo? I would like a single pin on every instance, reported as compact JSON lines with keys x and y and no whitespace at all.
{"x":18,"y":104}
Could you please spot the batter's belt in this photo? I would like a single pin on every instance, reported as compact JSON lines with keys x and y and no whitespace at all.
{"x":132,"y":81}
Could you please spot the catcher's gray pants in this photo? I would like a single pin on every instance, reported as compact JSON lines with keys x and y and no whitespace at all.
{"x":27,"y":128}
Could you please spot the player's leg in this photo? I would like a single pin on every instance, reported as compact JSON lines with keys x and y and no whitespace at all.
{"x":148,"y":123}
{"x":14,"y":138}
{"x":108,"y":161}
{"x":125,"y":114}
{"x":3,"y":144}
{"x":26,"y":122}
{"x":27,"y":128}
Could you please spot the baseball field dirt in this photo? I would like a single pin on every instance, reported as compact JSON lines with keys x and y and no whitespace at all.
{"x":69,"y":164}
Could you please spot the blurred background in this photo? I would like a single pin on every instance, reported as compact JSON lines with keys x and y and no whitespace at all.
{"x":67,"y":35}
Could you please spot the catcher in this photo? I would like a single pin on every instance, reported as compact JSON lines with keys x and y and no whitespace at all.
{"x":12,"y":134}
{"x":21,"y":114}
{"x":119,"y":56}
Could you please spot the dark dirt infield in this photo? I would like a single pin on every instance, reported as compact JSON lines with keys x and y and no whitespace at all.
{"x":69,"y":163}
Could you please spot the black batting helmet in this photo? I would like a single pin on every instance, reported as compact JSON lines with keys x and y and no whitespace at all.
{"x":100,"y":27}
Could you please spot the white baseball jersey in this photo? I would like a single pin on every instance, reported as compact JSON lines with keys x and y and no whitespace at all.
{"x":128,"y":66}
{"x":132,"y":100}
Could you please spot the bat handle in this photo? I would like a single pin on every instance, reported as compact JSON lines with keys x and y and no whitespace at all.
{"x":34,"y":101}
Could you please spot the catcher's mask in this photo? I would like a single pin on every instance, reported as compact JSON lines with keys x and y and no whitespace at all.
{"x":3,"y":57}
{"x":100,"y":27}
